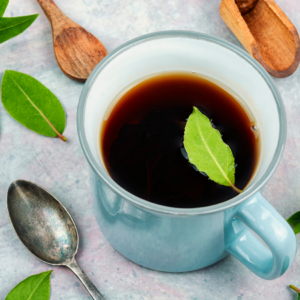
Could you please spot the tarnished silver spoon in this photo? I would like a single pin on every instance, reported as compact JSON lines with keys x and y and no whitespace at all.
{"x":46,"y":228}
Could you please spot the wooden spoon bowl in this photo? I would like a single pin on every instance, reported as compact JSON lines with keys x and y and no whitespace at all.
{"x":266,"y":33}
{"x":77,"y":51}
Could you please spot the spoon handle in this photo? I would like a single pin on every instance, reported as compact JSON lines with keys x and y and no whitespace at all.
{"x":55,"y":16}
{"x":73,"y":266}
{"x":50,"y":9}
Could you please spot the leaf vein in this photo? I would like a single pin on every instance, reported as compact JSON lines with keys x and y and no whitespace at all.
{"x":208,"y":149}
{"x":30,"y":296}
{"x":14,"y":25}
{"x":39,"y":111}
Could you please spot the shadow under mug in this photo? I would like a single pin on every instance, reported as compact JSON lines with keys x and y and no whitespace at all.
{"x":175,"y":239}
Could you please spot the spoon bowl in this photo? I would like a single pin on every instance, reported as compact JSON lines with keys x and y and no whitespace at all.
{"x":46,"y":228}
{"x":42,"y":223}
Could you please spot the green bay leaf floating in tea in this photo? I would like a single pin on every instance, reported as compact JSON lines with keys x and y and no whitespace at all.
{"x":207,"y":151}
{"x":32,"y":104}
{"x":3,"y":5}
{"x":11,"y":27}
{"x":35,"y":287}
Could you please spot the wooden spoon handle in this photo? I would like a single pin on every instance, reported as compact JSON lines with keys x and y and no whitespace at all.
{"x":245,"y":5}
{"x":54,"y":15}
{"x":48,"y":7}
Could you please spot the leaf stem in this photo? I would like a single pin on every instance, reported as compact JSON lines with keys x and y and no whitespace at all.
{"x":58,"y":134}
{"x":63,"y":138}
{"x":294,"y":288}
{"x":235,"y":188}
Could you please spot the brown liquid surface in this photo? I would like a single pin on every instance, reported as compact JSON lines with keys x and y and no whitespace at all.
{"x":142,"y":140}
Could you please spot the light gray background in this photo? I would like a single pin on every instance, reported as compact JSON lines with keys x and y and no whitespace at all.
{"x":62,"y":168}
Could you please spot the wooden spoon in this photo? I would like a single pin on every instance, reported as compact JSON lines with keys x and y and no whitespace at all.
{"x":266,"y":33}
{"x":77,"y":51}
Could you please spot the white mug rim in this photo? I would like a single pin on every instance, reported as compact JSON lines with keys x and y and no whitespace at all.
{"x":104,"y":176}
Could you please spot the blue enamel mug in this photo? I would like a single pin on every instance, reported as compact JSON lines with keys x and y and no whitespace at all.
{"x":175,"y":239}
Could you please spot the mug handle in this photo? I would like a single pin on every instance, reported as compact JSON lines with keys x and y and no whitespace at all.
{"x":260,"y":216}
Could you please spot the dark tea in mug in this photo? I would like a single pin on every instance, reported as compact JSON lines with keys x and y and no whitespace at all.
{"x":142,"y":140}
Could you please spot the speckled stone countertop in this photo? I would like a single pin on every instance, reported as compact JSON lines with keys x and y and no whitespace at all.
{"x":62,"y":168}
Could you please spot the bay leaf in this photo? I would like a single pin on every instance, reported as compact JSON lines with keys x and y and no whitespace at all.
{"x":3,"y":5}
{"x":11,"y":27}
{"x":297,"y":228}
{"x":35,"y":287}
{"x":207,"y":151}
{"x":294,"y":219}
{"x":32,"y":104}
{"x":296,"y":290}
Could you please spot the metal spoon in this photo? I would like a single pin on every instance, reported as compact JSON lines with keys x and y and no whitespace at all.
{"x":46,"y":228}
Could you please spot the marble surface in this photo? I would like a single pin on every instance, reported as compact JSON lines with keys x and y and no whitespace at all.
{"x":62,"y":169}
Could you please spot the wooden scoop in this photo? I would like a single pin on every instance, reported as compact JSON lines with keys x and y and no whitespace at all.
{"x":266,"y":33}
{"x":77,"y":51}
